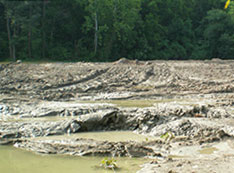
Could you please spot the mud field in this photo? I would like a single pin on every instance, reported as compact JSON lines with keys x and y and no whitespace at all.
{"x":180,"y":114}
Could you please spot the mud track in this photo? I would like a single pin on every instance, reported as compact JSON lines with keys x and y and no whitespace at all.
{"x":191,"y":103}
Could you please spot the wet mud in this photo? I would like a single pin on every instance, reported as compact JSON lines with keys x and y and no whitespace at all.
{"x":182,"y":111}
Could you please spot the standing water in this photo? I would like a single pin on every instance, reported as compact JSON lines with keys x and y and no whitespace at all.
{"x":14,"y":160}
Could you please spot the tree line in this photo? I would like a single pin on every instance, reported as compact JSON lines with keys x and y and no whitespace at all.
{"x":106,"y":30}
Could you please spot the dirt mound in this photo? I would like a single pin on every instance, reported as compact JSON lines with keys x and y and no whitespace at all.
{"x":56,"y":81}
{"x":127,"y":61}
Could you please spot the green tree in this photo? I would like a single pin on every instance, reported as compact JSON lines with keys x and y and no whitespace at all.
{"x":20,"y":17}
{"x":105,"y":30}
{"x":218,"y":33}
{"x":116,"y":24}
{"x":3,"y":34}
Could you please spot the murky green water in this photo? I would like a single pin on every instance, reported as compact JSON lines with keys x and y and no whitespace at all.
{"x":132,"y":103}
{"x":209,"y":150}
{"x":113,"y":136}
{"x":14,"y":160}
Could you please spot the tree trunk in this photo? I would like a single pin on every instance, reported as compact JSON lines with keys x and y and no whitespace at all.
{"x":52,"y":32}
{"x":9,"y":36}
{"x":30,"y":34}
{"x":43,"y":29}
{"x":29,"y":44}
{"x":13,"y":45}
{"x":96,"y":30}
{"x":96,"y":35}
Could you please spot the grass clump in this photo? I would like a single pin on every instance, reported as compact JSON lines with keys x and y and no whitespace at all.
{"x":109,"y":163}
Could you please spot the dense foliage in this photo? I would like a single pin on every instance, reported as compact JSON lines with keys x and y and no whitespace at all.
{"x":106,"y":30}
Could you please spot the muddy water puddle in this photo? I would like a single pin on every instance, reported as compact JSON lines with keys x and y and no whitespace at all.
{"x":14,"y":160}
{"x":32,"y":119}
{"x":126,"y":103}
{"x":209,"y":150}
{"x":140,"y":103}
{"x":112,"y":136}
{"x":86,"y":105}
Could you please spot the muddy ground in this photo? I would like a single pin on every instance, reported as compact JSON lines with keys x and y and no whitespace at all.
{"x":185,"y":109}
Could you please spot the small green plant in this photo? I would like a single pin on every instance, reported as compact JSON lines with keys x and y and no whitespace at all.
{"x":168,"y":136}
{"x":109,"y":163}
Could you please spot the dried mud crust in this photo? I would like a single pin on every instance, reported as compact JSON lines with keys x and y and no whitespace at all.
{"x":131,"y":79}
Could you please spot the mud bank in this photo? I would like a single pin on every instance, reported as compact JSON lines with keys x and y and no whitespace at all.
{"x":173,"y":104}
{"x":192,"y":118}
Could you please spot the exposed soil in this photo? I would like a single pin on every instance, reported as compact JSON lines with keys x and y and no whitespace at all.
{"x":190,"y":104}
{"x":92,"y":81}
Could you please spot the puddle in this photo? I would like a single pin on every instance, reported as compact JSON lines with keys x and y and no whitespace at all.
{"x":113,"y":136}
{"x":5,"y":62}
{"x":152,"y":102}
{"x":209,"y":150}
{"x":14,"y":160}
{"x":132,"y":103}
{"x":177,"y":157}
{"x":48,"y":118}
